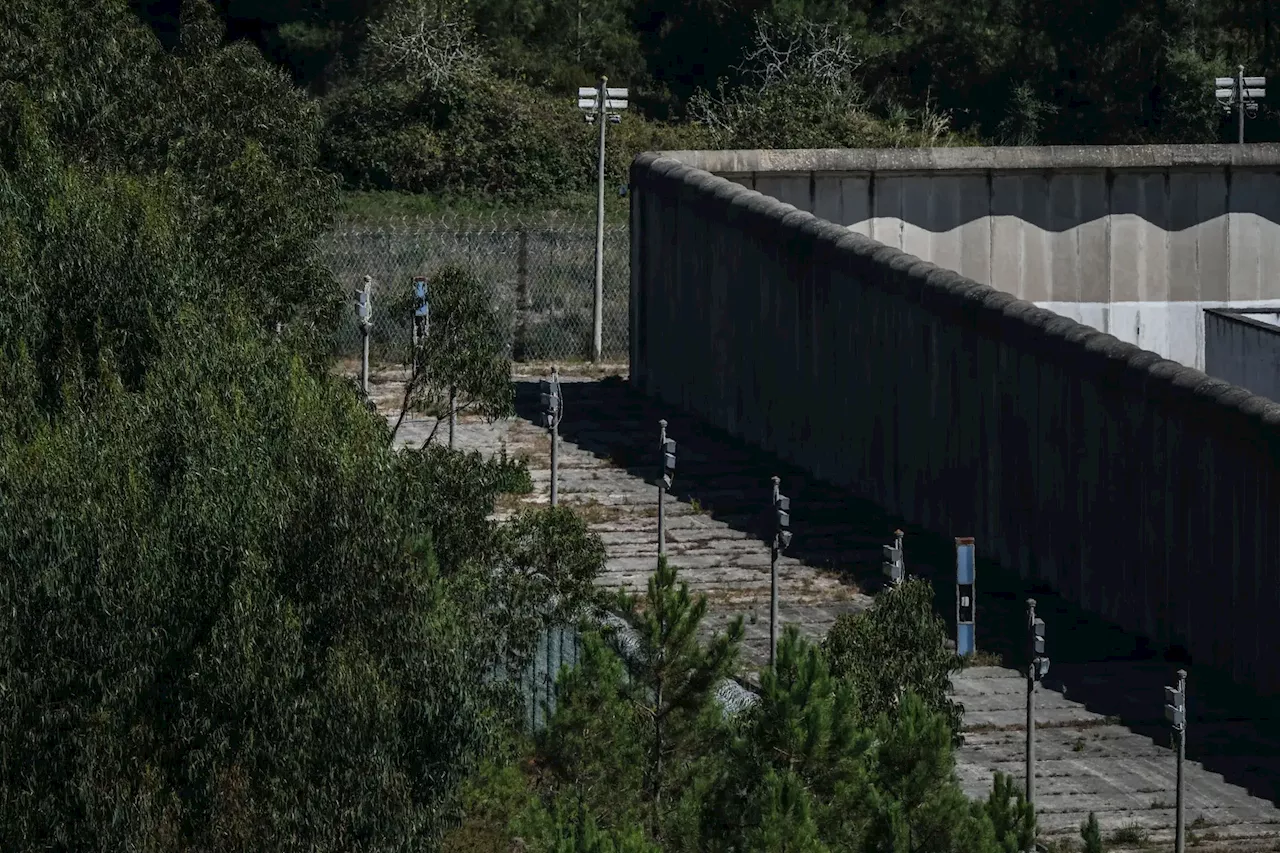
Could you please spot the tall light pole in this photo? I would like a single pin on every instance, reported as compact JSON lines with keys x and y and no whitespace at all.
{"x":1242,"y":94}
{"x":598,"y":105}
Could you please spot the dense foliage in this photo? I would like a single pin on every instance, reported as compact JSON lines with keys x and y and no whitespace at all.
{"x":476,"y":97}
{"x":640,"y":756}
{"x":461,"y":363}
{"x":895,"y":647}
{"x":234,"y":617}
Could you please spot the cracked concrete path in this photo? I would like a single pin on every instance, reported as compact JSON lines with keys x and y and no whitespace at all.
{"x":1105,"y":749}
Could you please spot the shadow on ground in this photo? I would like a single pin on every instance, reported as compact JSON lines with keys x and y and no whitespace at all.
{"x":1231,"y":730}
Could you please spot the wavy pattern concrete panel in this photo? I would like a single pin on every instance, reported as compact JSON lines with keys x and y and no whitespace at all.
{"x":1141,"y":238}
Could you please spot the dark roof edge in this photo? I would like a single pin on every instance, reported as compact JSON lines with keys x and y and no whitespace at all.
{"x":958,"y":159}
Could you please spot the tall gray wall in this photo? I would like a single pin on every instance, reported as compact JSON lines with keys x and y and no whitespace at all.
{"x":1138,"y":487}
{"x":1134,"y":241}
{"x":1243,"y":349}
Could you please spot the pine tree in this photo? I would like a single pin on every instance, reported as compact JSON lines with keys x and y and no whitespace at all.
{"x":1091,"y":834}
{"x":594,"y":744}
{"x":1012,"y":817}
{"x":918,"y":806}
{"x":676,"y":671}
{"x":785,"y":822}
{"x":578,"y":833}
{"x":803,"y":732}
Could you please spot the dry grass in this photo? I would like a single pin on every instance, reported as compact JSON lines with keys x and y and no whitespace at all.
{"x":509,"y":503}
{"x":981,"y":657}
{"x":592,"y":511}
{"x":568,"y":367}
{"x":1060,"y":724}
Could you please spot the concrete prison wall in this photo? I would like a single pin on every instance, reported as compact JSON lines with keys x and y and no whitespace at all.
{"x":1244,"y":349}
{"x":1137,"y":487}
{"x":1135,"y":240}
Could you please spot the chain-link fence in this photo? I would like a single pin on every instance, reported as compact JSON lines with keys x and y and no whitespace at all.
{"x":540,"y":272}
{"x":558,"y":646}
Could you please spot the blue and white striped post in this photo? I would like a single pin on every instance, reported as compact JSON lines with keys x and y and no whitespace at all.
{"x":965,"y":639}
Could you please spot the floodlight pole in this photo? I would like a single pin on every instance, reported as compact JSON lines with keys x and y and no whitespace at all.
{"x":1242,"y":93}
{"x":1240,"y":102}
{"x":597,"y":320}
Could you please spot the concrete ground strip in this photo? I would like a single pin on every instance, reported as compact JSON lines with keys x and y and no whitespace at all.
{"x":1094,"y":752}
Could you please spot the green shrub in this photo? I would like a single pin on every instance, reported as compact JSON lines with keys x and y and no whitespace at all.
{"x":1091,"y":834}
{"x":894,"y":647}
{"x":486,"y":136}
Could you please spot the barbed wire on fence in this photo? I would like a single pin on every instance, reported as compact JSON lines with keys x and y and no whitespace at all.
{"x":485,"y":220}
{"x":540,"y":272}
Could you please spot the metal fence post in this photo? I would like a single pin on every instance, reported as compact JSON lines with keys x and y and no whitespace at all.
{"x":1175,"y":711}
{"x":552,"y":411}
{"x":1037,"y":668}
{"x":662,"y":490}
{"x":1031,"y":715}
{"x":781,"y":539}
{"x":1180,"y":837}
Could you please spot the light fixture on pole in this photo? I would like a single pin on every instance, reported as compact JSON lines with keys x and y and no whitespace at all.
{"x":1242,"y":94}
{"x":597,"y":103}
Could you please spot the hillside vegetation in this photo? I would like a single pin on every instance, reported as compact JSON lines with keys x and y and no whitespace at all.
{"x":473,"y":100}
{"x":233,"y":618}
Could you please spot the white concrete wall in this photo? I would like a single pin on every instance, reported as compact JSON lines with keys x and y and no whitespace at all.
{"x":1137,"y":250}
